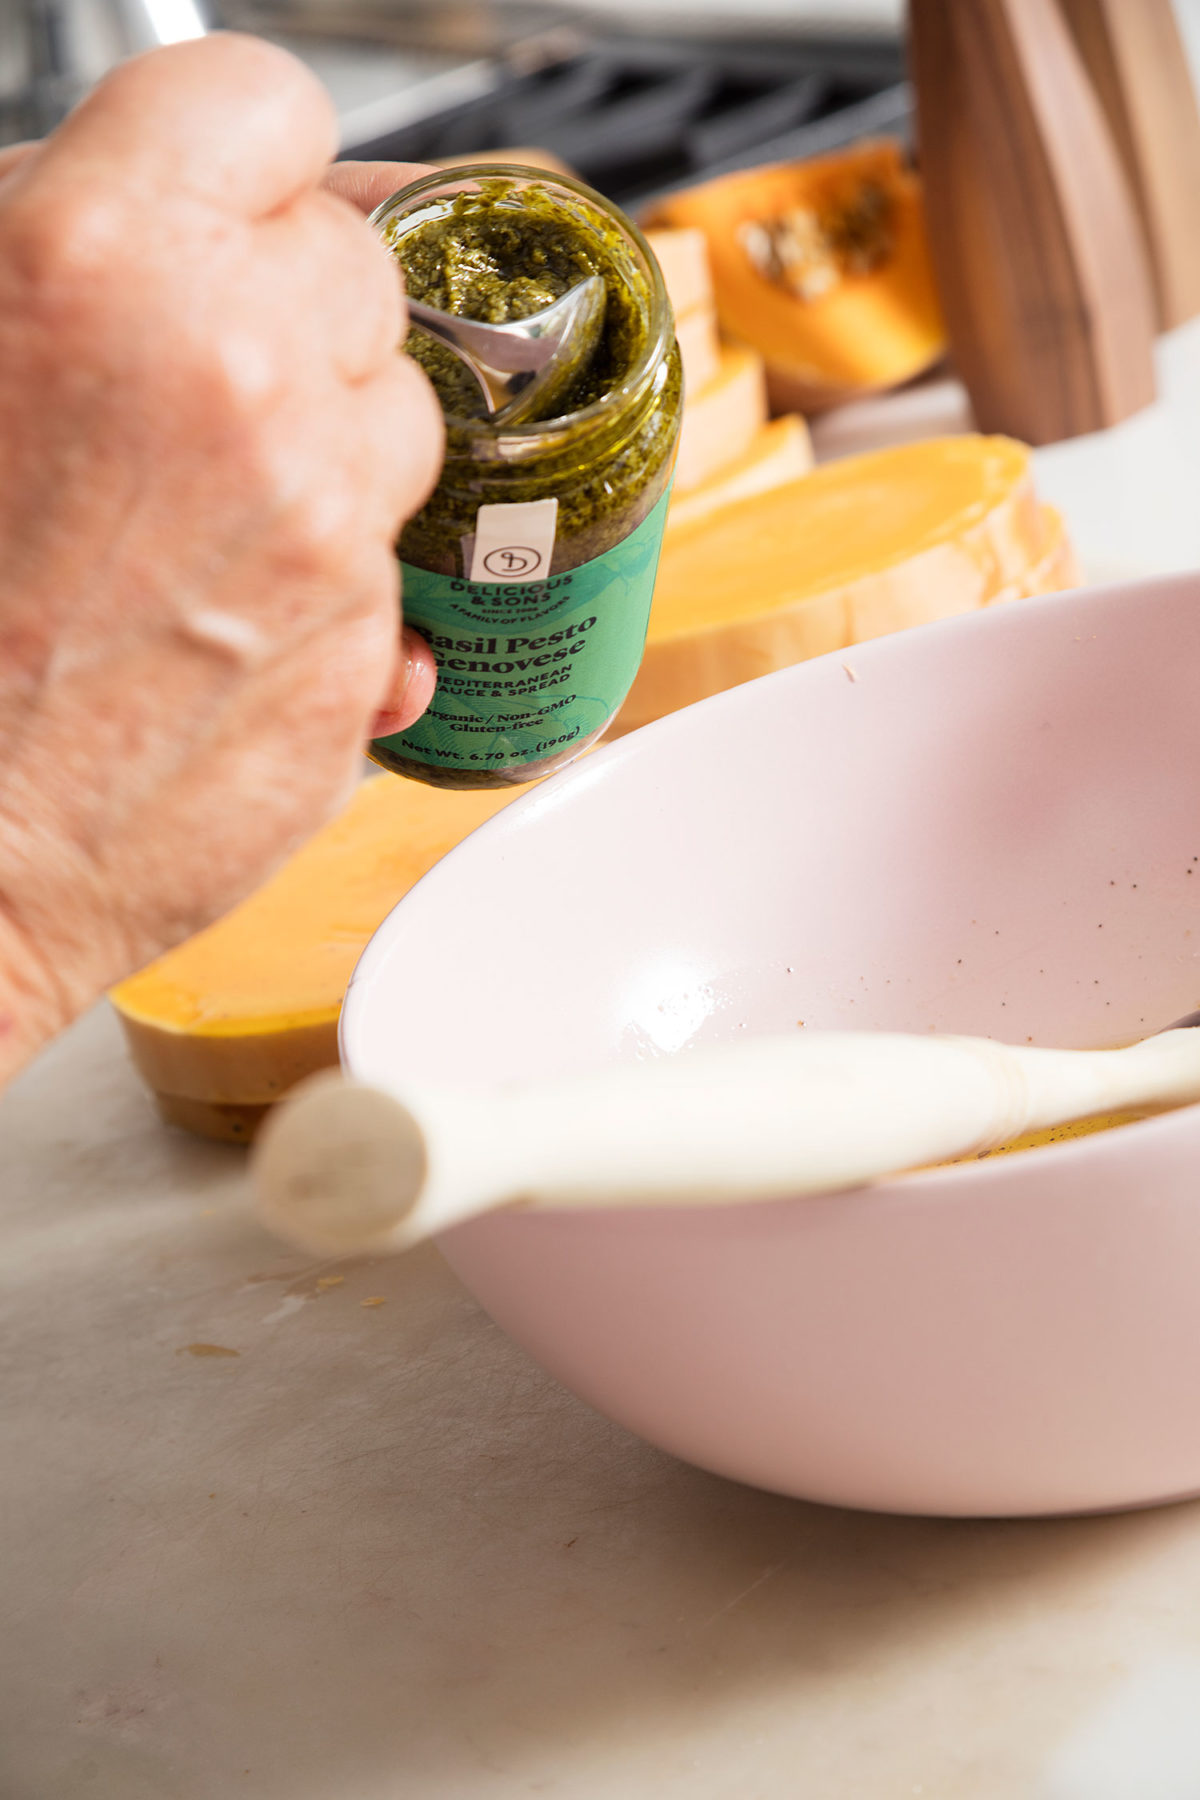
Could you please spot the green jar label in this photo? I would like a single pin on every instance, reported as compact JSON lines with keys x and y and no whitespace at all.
{"x":526,"y":669}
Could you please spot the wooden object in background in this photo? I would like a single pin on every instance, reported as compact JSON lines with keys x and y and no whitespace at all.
{"x":1134,"y":54}
{"x":1036,"y":243}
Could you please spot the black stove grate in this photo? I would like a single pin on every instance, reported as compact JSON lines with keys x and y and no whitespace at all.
{"x":635,"y":117}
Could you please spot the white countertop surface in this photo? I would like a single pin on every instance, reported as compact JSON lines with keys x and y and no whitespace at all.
{"x":376,"y":1554}
{"x":264,"y":1540}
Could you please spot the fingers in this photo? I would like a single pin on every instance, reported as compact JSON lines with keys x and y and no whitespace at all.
{"x":381,"y":324}
{"x":367,"y":185}
{"x":339,"y":508}
{"x":226,"y":118}
{"x":414,"y":678}
{"x":411,"y":689}
{"x":14,"y":155}
{"x":330,"y":268}
{"x":400,"y":436}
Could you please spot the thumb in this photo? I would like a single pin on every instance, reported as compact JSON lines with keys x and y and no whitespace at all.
{"x":226,"y":118}
{"x":411,"y":688}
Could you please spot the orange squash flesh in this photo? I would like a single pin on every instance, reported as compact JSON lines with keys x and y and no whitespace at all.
{"x":223,"y":1025}
{"x":872,"y":329}
{"x":868,"y":545}
{"x":779,"y":451}
{"x":699,"y":348}
{"x":682,"y":255}
{"x":721,"y":421}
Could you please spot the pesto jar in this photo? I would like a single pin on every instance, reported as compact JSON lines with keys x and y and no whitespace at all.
{"x":531,"y":568}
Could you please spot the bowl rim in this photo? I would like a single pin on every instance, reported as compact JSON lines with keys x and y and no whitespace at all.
{"x":596,"y":765}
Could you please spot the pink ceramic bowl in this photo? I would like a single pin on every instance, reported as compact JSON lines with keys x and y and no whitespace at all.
{"x":989,"y":825}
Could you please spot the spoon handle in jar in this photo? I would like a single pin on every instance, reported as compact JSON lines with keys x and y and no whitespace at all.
{"x":343,"y":1167}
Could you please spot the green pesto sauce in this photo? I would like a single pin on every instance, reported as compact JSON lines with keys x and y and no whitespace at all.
{"x":501,"y":253}
{"x":496,"y":256}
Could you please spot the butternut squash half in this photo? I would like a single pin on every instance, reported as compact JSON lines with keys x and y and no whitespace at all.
{"x":823,"y":268}
{"x":223,"y":1025}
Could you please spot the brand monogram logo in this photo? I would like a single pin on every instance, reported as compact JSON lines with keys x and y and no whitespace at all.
{"x":512,"y":560}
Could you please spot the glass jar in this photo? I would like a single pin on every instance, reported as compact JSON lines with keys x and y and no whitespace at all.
{"x":531,"y":568}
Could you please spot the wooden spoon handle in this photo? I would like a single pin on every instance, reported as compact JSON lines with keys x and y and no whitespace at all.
{"x":338,"y":1166}
{"x":343,"y":1168}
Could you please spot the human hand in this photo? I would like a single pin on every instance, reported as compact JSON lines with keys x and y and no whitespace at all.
{"x":207,"y":446}
{"x":366,"y":185}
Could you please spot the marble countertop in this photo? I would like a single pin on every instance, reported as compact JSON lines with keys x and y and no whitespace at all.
{"x":274,"y":1534}
{"x":273,"y":1538}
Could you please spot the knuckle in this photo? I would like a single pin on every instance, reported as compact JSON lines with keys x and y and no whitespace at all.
{"x":66,"y":246}
{"x":222,"y":55}
{"x":228,"y":65}
{"x":240,"y":373}
{"x":246,"y":59}
{"x":409,"y":436}
{"x":226,"y":386}
{"x":321,"y":535}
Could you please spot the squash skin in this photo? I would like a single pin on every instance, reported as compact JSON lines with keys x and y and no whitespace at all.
{"x":873,"y":331}
{"x":228,"y":1122}
{"x":253,"y":1067}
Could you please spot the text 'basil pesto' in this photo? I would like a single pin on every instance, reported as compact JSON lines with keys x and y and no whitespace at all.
{"x":530,"y":570}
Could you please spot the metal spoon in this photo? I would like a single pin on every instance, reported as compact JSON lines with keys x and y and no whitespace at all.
{"x":524,"y":366}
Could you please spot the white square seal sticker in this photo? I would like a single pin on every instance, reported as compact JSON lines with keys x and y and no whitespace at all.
{"x":514,"y":542}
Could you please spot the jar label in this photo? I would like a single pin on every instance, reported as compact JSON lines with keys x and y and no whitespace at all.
{"x":512,"y":542}
{"x":526,"y":669}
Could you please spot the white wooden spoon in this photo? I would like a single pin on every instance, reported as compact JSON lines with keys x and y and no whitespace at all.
{"x":342,"y":1168}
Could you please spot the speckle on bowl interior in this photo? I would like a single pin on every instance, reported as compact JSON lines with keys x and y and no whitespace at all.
{"x":995,"y":828}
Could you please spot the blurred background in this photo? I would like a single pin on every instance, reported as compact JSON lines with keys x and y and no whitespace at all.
{"x":649,"y":99}
{"x":635,"y":95}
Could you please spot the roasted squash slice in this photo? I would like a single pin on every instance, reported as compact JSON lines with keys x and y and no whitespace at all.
{"x":856,"y":549}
